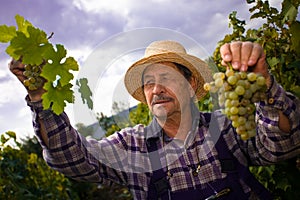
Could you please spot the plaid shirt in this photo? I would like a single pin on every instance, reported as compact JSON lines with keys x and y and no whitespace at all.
{"x":123,"y":157}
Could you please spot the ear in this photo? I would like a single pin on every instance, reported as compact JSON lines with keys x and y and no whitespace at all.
{"x":193,"y":88}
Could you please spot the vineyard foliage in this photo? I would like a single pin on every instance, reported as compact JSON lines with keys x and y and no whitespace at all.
{"x":280,"y":38}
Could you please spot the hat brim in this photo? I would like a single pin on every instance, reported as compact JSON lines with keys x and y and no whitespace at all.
{"x":199,"y":69}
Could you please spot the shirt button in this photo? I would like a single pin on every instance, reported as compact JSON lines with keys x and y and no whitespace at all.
{"x":271,"y":101}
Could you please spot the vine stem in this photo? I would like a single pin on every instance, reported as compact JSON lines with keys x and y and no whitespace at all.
{"x":50,"y":36}
{"x":230,"y":66}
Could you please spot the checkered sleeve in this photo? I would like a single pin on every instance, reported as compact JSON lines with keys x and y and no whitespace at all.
{"x":73,"y":155}
{"x":271,"y":144}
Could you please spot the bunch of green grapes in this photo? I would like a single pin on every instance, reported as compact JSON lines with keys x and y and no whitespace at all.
{"x":237,"y":92}
{"x":34,"y":80}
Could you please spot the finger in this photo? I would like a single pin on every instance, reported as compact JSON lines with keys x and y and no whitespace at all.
{"x":256,"y":54}
{"x":235,"y":48}
{"x":17,"y":68}
{"x":225,"y":53}
{"x":246,"y":52}
{"x":16,"y":64}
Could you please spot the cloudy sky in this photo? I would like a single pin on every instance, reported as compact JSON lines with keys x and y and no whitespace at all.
{"x":82,"y":25}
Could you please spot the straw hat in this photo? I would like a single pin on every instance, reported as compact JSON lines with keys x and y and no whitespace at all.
{"x":166,"y":51}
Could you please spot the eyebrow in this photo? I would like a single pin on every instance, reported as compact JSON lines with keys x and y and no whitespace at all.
{"x":150,"y":76}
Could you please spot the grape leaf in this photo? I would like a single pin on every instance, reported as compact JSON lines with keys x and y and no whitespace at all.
{"x":295,"y":30}
{"x":22,"y":24}
{"x":59,"y":65}
{"x":7,"y":33}
{"x":273,"y":61}
{"x":289,"y":11}
{"x":56,"y":97}
{"x":31,"y":48}
{"x":85,"y":92}
{"x":32,"y":45}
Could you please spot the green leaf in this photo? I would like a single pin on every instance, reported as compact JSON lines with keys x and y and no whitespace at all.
{"x":273,"y":61}
{"x":31,"y":48}
{"x":56,"y":97}
{"x":22,"y":24}
{"x":7,"y":33}
{"x":289,"y":11}
{"x":296,"y":90}
{"x":11,"y":134}
{"x":3,"y":139}
{"x":59,"y":65}
{"x":85,"y":92}
{"x":295,"y":38}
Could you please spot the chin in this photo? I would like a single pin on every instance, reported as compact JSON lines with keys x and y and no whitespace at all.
{"x":160,"y":114}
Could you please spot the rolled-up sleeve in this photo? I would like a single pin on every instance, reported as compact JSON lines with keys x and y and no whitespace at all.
{"x":271,"y":143}
{"x":70,"y":153}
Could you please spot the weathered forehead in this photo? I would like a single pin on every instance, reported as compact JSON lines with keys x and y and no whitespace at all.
{"x":158,"y":68}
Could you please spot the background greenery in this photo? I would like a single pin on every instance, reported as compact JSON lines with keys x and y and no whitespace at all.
{"x":25,"y":175}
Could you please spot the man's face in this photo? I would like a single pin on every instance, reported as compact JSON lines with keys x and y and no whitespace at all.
{"x":166,"y":90}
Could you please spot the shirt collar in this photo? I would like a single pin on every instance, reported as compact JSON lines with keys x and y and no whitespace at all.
{"x":154,"y":130}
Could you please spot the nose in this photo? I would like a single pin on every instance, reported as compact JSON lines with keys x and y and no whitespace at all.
{"x":158,"y":88}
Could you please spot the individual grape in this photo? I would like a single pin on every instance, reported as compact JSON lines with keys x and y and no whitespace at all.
{"x":243,"y":75}
{"x":241,"y":83}
{"x":229,"y":73}
{"x":218,"y":75}
{"x":234,"y":110}
{"x":250,"y":109}
{"x":26,"y":82}
{"x":226,"y":86}
{"x":241,"y":130}
{"x":245,"y":102}
{"x":242,"y":120}
{"x":261,"y":81}
{"x":249,"y":125}
{"x":235,"y":124}
{"x":233,"y":95}
{"x":31,"y":79}
{"x":248,"y":94}
{"x":27,"y":73}
{"x":227,"y":103}
{"x":28,"y":68}
{"x":232,"y":80}
{"x":242,"y":111}
{"x":253,"y":87}
{"x":234,"y":117}
{"x":207,"y":86}
{"x":32,"y":87}
{"x":237,"y":92}
{"x":251,"y":76}
{"x":247,"y":84}
{"x":245,"y":136}
{"x":218,"y":82}
{"x":235,"y":102}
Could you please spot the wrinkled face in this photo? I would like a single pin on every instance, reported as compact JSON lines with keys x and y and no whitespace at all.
{"x":166,"y":90}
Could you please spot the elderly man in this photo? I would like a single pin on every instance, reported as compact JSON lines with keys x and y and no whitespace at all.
{"x":183,"y":153}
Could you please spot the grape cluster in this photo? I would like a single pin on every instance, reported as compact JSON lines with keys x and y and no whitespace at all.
{"x":34,"y":80}
{"x":237,"y":92}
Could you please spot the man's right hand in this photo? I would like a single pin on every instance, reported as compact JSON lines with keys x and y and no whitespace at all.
{"x":17,"y":68}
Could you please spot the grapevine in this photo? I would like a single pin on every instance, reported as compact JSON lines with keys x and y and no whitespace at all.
{"x":46,"y":64}
{"x":237,"y":93}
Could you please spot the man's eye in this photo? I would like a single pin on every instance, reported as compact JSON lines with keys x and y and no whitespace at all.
{"x":149,"y":83}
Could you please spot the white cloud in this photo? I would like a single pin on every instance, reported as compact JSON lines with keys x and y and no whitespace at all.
{"x":120,"y":6}
{"x":11,"y":91}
